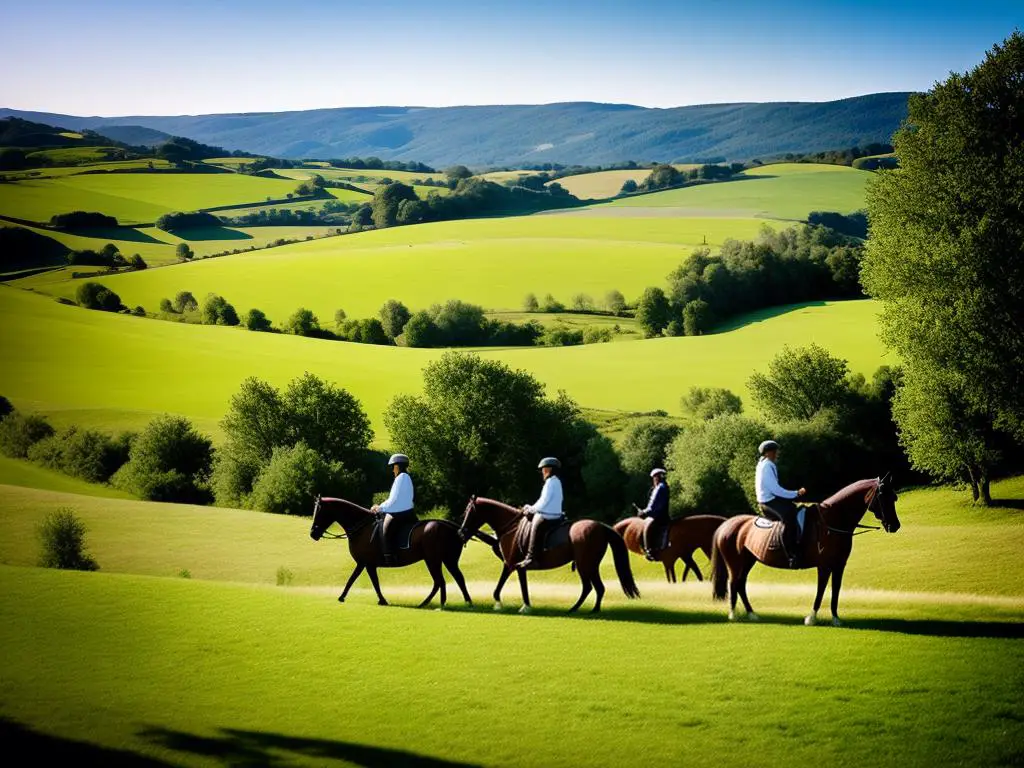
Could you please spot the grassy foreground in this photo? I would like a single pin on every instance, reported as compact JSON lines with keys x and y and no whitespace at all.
{"x":114,"y":371}
{"x":118,"y":665}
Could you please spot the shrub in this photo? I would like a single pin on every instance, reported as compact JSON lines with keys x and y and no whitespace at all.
{"x":629,"y":186}
{"x":97,"y":296}
{"x":166,"y":306}
{"x":393,"y":317}
{"x":139,"y":311}
{"x":137,"y":262}
{"x":365,"y":331}
{"x":6,"y":409}
{"x":62,"y":536}
{"x":168,"y":461}
{"x":705,"y":403}
{"x":551,"y":304}
{"x":255,"y":320}
{"x":530,"y":303}
{"x":581,"y":302}
{"x":183,"y":252}
{"x":170,"y":222}
{"x":85,"y":453}
{"x":596,"y":334}
{"x":561,"y":336}
{"x":20,"y":431}
{"x":303,"y":323}
{"x":217,"y":311}
{"x":184,"y":301}
{"x":339,"y":317}
{"x":293,"y":477}
{"x":615,"y":302}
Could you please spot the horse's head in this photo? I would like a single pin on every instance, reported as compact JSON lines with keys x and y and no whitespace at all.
{"x":883,"y":504}
{"x":470,"y":520}
{"x":320,"y":521}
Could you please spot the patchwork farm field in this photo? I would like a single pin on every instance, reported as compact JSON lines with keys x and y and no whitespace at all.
{"x":122,"y":366}
{"x":225,"y":667}
{"x":492,"y":262}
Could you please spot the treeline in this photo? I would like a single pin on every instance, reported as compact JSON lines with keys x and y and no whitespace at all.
{"x":795,"y":265}
{"x":833,"y":156}
{"x":108,"y":256}
{"x":668,"y":176}
{"x":376,"y":164}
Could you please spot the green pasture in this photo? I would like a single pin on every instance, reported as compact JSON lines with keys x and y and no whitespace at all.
{"x":787,"y":191}
{"x":492,"y":262}
{"x":223,"y":667}
{"x":628,"y":328}
{"x":71,"y":155}
{"x":18,"y":472}
{"x":116,"y":371}
{"x":73,"y":170}
{"x":157,"y":247}
{"x":135,"y":197}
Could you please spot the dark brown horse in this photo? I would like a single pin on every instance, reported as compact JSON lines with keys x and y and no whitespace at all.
{"x":685,"y":536}
{"x":587,"y":543}
{"x":827,"y":543}
{"x":435,"y":542}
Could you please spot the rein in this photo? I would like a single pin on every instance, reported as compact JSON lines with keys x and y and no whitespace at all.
{"x":854,"y":531}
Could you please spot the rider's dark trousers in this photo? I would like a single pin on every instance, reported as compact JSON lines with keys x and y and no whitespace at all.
{"x":785,"y":510}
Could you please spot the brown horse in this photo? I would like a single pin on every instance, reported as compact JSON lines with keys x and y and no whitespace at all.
{"x":588,"y":540}
{"x":827,"y":543}
{"x":685,"y":536}
{"x":435,"y":542}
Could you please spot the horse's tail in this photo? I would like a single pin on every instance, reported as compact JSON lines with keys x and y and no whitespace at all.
{"x":623,"y":570}
{"x":719,"y":571}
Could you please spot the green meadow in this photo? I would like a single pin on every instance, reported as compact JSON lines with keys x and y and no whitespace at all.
{"x":124,"y":368}
{"x":492,"y":262}
{"x":786,"y":191}
{"x":226,"y":667}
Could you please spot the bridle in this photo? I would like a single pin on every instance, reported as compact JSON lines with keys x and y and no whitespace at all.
{"x":879,"y":513}
{"x":345,"y":534}
{"x":503,"y":531}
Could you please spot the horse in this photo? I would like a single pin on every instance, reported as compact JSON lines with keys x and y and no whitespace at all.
{"x":435,"y":542}
{"x":586,"y":544}
{"x":685,"y":536}
{"x":827,"y":543}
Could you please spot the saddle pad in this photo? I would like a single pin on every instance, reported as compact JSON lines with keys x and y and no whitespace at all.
{"x":765,"y":536}
{"x":554,"y":537}
{"x":402,"y":528}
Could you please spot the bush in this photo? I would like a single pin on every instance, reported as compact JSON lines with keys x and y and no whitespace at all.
{"x":255,"y":320}
{"x":705,"y":403}
{"x":139,"y":311}
{"x":217,"y":311}
{"x":339,"y":317}
{"x":62,"y":535}
{"x":20,"y":431}
{"x":294,"y":476}
{"x":303,"y":323}
{"x":168,"y":461}
{"x":184,"y":301}
{"x":97,"y":296}
{"x":629,"y":186}
{"x":183,"y":252}
{"x":615,"y":302}
{"x":166,"y":306}
{"x":551,"y":304}
{"x":136,"y":262}
{"x":596,"y":334}
{"x":170,"y":222}
{"x":85,"y":453}
{"x":82,"y":220}
{"x":561,"y":336}
{"x":6,"y":409}
{"x":530,"y":303}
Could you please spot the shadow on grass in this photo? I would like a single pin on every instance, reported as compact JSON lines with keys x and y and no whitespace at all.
{"x":129,"y":234}
{"x":234,"y":747}
{"x":652,"y":615}
{"x":45,"y":749}
{"x":212,"y":233}
{"x":761,"y":315}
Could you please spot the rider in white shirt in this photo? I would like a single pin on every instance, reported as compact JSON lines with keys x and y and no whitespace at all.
{"x":399,"y":502}
{"x":776,"y":502}
{"x":546,"y":510}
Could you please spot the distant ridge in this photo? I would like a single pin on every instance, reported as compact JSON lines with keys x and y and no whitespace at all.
{"x":569,"y":133}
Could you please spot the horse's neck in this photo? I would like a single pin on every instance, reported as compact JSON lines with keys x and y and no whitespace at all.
{"x":848,"y":512}
{"x":500,"y":517}
{"x":349,"y":515}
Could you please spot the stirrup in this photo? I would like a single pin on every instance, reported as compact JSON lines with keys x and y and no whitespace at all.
{"x":526,"y":562}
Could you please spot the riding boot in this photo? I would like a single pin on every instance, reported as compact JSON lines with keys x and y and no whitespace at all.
{"x":389,"y":558}
{"x":791,"y":538}
{"x":648,"y":552}
{"x":531,"y":551}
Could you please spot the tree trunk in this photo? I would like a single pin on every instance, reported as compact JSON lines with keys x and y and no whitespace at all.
{"x":972,"y":478}
{"x":986,"y":496}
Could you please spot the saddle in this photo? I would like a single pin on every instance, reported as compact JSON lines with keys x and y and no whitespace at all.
{"x":552,"y":537}
{"x":401,"y":529}
{"x":765,"y":540}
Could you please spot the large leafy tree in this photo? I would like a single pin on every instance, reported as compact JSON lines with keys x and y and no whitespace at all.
{"x":799,"y":383}
{"x":946,"y":256}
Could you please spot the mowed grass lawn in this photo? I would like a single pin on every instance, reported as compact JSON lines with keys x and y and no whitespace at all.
{"x":492,"y":262}
{"x":190,"y":671}
{"x":135,"y":198}
{"x":788,"y":191}
{"x":96,"y":368}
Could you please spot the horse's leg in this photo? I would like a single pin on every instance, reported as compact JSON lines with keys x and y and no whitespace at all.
{"x":372,"y":571}
{"x":692,"y":566}
{"x":525,"y":589}
{"x":585,"y":581}
{"x":434,"y":567}
{"x":748,"y":563}
{"x":823,"y":573}
{"x":505,"y":573}
{"x":670,"y":570}
{"x":351,"y":580}
{"x":598,"y":589}
{"x":453,"y":568}
{"x":837,"y":584}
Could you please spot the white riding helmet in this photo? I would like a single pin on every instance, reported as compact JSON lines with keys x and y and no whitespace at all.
{"x":767,"y":445}
{"x":658,"y":471}
{"x":550,"y":461}
{"x":398,"y":458}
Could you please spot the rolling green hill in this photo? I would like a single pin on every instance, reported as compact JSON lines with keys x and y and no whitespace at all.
{"x":125,"y":370}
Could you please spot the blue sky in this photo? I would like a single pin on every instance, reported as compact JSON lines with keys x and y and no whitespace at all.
{"x":192,"y":57}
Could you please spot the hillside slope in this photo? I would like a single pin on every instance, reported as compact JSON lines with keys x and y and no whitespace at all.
{"x":584,"y":132}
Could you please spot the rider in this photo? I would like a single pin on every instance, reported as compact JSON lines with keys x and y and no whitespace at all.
{"x":398,"y":503}
{"x":776,"y":502}
{"x":547,"y":509}
{"x":655,"y":514}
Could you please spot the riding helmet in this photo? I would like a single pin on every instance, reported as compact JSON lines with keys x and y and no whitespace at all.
{"x":399,"y":458}
{"x":767,"y":445}
{"x":550,"y":461}
{"x":658,"y":471}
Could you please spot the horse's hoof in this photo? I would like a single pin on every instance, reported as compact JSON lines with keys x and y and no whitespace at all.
{"x":732,"y":616}
{"x":836,"y":622}
{"x":382,"y":602}
{"x":525,"y":610}
{"x":439,"y":608}
{"x":341,"y":598}
{"x":498,"y":607}
{"x":753,"y":617}
{"x":810,"y":620}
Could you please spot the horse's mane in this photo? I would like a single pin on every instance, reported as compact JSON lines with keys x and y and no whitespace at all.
{"x":496,"y":503}
{"x":845,"y":495}
{"x":346,"y":502}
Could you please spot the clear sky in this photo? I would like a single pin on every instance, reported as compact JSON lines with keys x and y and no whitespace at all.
{"x":202,"y":56}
